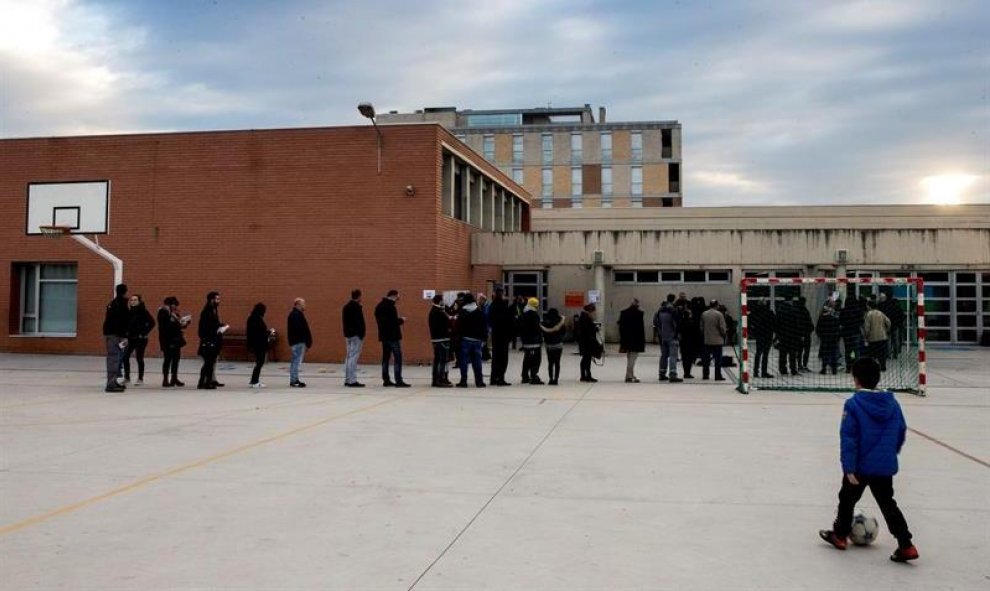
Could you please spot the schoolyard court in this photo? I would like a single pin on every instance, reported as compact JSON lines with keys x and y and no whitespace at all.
{"x":580,"y":486}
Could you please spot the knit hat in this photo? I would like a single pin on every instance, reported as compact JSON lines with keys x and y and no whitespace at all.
{"x":533,"y":303}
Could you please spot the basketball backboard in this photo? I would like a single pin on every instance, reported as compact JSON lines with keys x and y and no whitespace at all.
{"x":83,"y":206}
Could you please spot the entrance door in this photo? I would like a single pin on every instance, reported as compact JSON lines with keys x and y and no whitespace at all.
{"x":529,"y":284}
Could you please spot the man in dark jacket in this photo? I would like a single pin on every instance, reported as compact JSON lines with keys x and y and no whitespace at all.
{"x":354,"y":330}
{"x":851,"y":326}
{"x":300,"y":339}
{"x":390,"y":334}
{"x":473,"y":332}
{"x":502,"y":319}
{"x":762,"y":324}
{"x":892,"y":309}
{"x":439,"y":323}
{"x":806,"y":325}
{"x":667,"y":323}
{"x":211,"y":331}
{"x":788,"y":338}
{"x":115,"y":325}
{"x":632,"y":337}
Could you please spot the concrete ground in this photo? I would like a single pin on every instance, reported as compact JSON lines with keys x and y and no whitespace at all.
{"x":582,"y":486}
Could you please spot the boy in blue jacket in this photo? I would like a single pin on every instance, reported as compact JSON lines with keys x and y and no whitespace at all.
{"x":872,"y":433}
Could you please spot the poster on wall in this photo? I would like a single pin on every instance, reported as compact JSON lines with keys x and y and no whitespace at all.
{"x":429,"y":293}
{"x":594,"y":296}
{"x":573,"y":299}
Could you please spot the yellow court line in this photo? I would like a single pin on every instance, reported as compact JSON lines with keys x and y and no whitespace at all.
{"x":13,"y":527}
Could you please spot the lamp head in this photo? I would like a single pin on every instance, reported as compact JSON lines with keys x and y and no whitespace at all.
{"x":367,"y":110}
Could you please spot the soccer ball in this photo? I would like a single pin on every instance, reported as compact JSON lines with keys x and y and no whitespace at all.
{"x":864,"y":530}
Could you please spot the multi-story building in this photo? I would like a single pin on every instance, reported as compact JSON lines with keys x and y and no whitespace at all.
{"x":564,"y":158}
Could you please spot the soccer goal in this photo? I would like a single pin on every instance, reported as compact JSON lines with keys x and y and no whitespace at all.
{"x":804,"y":333}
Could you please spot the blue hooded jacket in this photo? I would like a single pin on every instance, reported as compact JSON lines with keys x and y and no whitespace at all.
{"x":872,"y":432}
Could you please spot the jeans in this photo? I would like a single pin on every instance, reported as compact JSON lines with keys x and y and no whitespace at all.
{"x":114,"y":355}
{"x":668,"y":357}
{"x":441,"y":353}
{"x":354,"y":345}
{"x":471,"y":353}
{"x":298,"y":352}
{"x":707,"y":354}
{"x":553,"y":363}
{"x":392,"y":349}
{"x":259,"y":361}
{"x":882,"y":488}
{"x":763,"y":345}
{"x":135,"y":346}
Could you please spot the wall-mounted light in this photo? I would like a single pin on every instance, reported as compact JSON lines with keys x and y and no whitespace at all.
{"x":368,"y":110}
{"x":410,"y":191}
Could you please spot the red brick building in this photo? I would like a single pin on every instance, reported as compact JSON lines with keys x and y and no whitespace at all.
{"x":260,"y":216}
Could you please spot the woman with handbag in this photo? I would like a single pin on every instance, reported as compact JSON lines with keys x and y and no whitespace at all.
{"x":588,"y":343}
{"x":140,"y":326}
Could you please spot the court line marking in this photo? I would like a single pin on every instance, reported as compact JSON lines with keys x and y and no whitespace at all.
{"x":13,"y":527}
{"x":950,"y":448}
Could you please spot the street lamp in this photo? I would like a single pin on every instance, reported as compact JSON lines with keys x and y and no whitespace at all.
{"x":368,"y":110}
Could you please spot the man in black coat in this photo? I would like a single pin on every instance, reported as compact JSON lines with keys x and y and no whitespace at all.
{"x":390,"y":335}
{"x":439,"y":323}
{"x":352,"y":317}
{"x":300,"y":340}
{"x":115,"y":325}
{"x":210,"y":332}
{"x":851,"y":327}
{"x":502,"y":318}
{"x":632,"y":337}
{"x":761,"y":326}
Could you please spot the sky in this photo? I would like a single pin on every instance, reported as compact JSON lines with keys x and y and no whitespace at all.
{"x":780,"y":102}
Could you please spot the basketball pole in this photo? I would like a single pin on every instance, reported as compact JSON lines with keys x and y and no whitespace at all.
{"x":118,"y":265}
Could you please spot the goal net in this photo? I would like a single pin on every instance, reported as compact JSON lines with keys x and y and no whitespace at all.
{"x":804,"y":333}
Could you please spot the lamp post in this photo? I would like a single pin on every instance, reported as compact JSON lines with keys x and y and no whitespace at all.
{"x":368,"y":110}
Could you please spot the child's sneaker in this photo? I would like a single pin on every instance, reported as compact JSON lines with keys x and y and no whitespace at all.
{"x":904,"y":554}
{"x":830,"y":537}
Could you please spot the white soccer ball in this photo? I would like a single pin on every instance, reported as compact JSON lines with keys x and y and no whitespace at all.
{"x":864,"y":530}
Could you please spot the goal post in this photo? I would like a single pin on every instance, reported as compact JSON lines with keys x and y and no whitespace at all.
{"x":803,"y":333}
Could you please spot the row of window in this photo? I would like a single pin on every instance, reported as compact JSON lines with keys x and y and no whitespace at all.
{"x":652,"y":277}
{"x":577,"y":146}
{"x":577,"y":180}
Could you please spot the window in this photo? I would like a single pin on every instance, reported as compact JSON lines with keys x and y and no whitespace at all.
{"x":496,"y":120}
{"x":48,"y":298}
{"x":517,"y":148}
{"x":606,"y":146}
{"x":517,"y":175}
{"x":576,"y":181}
{"x":577,"y":148}
{"x":636,"y":174}
{"x":547,"y":178}
{"x":648,"y":277}
{"x":636,"y":138}
{"x":674,"y":177}
{"x":461,"y":137}
{"x":606,"y":180}
{"x":488,"y":147}
{"x":547,"y":148}
{"x":666,"y":143}
{"x":625,"y":277}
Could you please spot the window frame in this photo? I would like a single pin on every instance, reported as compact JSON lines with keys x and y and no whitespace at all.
{"x":36,"y":288}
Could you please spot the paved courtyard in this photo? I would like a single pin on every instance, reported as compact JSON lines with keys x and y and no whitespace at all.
{"x":582,"y":486}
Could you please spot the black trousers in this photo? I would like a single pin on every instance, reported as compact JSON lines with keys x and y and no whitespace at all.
{"x":532,"y":358}
{"x":882,"y":489}
{"x":788,"y":354}
{"x":135,"y":347}
{"x":762,"y":355}
{"x":259,"y":361}
{"x":805,"y":350}
{"x":209,"y":355}
{"x":441,"y":352}
{"x":553,"y":364}
{"x":500,"y":358}
{"x":878,"y":351}
{"x":689,"y":355}
{"x":586,"y":366}
{"x":170,"y":363}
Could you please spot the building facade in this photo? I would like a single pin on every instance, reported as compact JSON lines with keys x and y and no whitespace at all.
{"x":566,"y":159}
{"x":260,"y":216}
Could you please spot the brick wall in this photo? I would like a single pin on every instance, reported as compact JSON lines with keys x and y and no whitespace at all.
{"x":257,"y":215}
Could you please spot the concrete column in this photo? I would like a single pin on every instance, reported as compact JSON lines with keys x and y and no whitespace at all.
{"x":499,"y":218}
{"x":466,"y":193}
{"x":600,"y":286}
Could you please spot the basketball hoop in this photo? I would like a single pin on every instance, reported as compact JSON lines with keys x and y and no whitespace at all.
{"x":54,"y":231}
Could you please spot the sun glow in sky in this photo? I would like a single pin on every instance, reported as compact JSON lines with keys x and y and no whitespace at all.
{"x":947,"y":189}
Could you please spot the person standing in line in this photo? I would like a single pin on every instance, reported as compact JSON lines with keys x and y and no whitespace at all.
{"x":686,"y":336}
{"x":588,"y":345}
{"x":669,"y":330}
{"x":553,"y":326}
{"x":851,"y":325}
{"x":872,"y":434}
{"x":828,"y":338}
{"x":531,"y":337}
{"x":876,"y":331}
{"x":473,"y":332}
{"x":390,"y":334}
{"x":892,"y":309}
{"x":789,"y":338}
{"x":115,"y":326}
{"x":211,"y":331}
{"x":485,"y":306}
{"x":171,"y":323}
{"x":140,"y":326}
{"x":300,"y":340}
{"x":713,"y":330}
{"x":807,"y":326}
{"x":762,"y":322}
{"x":502,"y":320}
{"x":352,"y":317}
{"x":258,"y":337}
{"x":632,"y":337}
{"x":518,"y":307}
{"x":439,"y":323}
